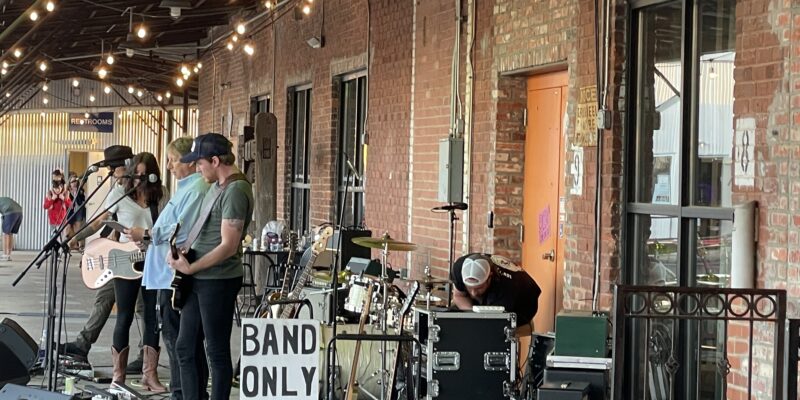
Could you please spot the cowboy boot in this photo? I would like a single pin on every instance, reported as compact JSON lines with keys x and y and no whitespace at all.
{"x":150,"y":371}
{"x":119,"y":360}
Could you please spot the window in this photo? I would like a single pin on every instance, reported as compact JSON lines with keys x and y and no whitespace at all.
{"x":257,"y":105}
{"x":351,"y":147}
{"x":301,"y":184}
{"x":680,"y":144}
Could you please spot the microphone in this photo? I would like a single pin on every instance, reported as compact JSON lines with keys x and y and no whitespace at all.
{"x":113,"y":163}
{"x":152,"y":178}
{"x":352,"y":168}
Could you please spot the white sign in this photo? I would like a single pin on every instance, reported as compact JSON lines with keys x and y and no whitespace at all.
{"x":576,"y":171}
{"x":744,"y":152}
{"x":280,"y":359}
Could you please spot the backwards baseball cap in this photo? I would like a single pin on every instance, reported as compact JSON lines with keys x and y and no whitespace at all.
{"x":475,"y":270}
{"x":208,"y":145}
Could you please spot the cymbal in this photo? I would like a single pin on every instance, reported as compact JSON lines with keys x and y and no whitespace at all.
{"x":429,"y":281}
{"x":384,"y":242}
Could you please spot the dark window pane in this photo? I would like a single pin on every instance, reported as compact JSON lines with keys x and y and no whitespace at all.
{"x":715,"y":105}
{"x":656,"y":243}
{"x":351,"y":132}
{"x":658,"y":125}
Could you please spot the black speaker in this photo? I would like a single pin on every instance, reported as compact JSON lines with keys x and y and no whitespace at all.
{"x":350,"y":249}
{"x":17,"y":392}
{"x":18,"y":353}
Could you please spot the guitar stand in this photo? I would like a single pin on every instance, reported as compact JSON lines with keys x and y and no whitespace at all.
{"x":303,"y":302}
{"x":383,"y":338}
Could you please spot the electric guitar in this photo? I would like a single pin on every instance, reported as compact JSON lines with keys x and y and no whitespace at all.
{"x":280,"y":295}
{"x":318,"y":247}
{"x":181,"y":284}
{"x":404,"y":309}
{"x":105,"y":259}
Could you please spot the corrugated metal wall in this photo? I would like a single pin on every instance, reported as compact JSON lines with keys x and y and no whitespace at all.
{"x":33,"y":144}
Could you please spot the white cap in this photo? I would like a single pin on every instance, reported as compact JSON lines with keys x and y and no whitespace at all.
{"x":475,"y":270}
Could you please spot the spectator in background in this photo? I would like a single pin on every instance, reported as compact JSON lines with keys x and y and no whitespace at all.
{"x":77,"y":216}
{"x":12,"y":219}
{"x":57,"y":201}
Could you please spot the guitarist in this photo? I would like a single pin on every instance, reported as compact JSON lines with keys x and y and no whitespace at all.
{"x":214,"y":265}
{"x":183,"y":208}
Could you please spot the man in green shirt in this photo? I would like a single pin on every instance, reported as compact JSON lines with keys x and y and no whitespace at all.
{"x":215,"y":268}
{"x":12,"y":219}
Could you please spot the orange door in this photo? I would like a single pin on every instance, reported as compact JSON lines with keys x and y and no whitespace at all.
{"x":542,"y":246}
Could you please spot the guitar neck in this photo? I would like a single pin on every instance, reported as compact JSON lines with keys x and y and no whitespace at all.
{"x":357,"y":351}
{"x":298,"y":287}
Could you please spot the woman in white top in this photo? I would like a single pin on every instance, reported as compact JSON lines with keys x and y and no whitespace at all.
{"x":138,"y":209}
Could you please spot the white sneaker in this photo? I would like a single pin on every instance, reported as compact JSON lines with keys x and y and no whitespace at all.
{"x":4,"y":257}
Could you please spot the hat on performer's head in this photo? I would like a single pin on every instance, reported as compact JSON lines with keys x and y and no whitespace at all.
{"x":208,"y":145}
{"x":117,"y":155}
{"x":475,"y":270}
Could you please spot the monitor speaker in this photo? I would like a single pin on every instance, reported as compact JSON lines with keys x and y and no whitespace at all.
{"x":18,"y":353}
{"x":17,"y":392}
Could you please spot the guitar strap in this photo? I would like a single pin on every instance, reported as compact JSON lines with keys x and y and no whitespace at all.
{"x":207,"y":207}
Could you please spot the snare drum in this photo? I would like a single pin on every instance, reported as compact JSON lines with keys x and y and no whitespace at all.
{"x":357,"y":296}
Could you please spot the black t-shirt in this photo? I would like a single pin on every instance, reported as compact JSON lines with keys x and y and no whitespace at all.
{"x":511,"y":288}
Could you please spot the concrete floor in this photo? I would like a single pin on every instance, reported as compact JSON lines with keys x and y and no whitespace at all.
{"x":24,"y":304}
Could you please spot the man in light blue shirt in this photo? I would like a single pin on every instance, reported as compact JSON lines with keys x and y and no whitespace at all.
{"x":183,"y":208}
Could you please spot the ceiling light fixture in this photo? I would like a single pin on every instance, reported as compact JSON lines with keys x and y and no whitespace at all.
{"x":34,"y":15}
{"x":110,"y":59}
{"x":185,"y":70}
{"x":168,"y":94}
{"x":107,"y":89}
{"x":159,"y":98}
{"x":8,"y":94}
{"x":42,"y":66}
{"x":179,"y":82}
{"x":5,"y":64}
{"x":44,"y":100}
{"x":131,"y":89}
{"x":306,"y":9}
{"x":141,"y":32}
{"x":3,"y":71}
{"x":50,"y":6}
{"x":249,"y":49}
{"x":175,"y":6}
{"x":17,"y":53}
{"x":235,"y":38}
{"x":76,"y":82}
{"x":200,"y":65}
{"x":102,"y":72}
{"x":229,"y":46}
{"x":92,"y":98}
{"x":268,"y":4}
{"x":45,"y":87}
{"x":139,"y":93}
{"x":240,"y":28}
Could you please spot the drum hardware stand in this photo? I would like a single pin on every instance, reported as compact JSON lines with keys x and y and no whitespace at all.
{"x":451,"y":238}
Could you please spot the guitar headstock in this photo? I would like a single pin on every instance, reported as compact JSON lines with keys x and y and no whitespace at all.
{"x":410,"y":296}
{"x":173,"y":242}
{"x":319,"y":244}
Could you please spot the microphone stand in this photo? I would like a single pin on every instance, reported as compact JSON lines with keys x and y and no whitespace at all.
{"x":335,"y":284}
{"x":52,"y":248}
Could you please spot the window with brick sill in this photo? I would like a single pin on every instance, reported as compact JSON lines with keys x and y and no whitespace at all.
{"x":679,"y":177}
{"x":352,"y":113}
{"x":301,"y":183}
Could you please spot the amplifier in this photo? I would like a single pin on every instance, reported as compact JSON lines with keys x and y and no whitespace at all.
{"x":350,"y":249}
{"x":567,"y":390}
{"x":461,"y":347}
{"x":17,"y":392}
{"x":581,"y":334}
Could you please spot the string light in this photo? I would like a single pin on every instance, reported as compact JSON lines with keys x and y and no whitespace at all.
{"x":17,"y":53}
{"x":107,"y":89}
{"x":42,"y":66}
{"x":240,"y":28}
{"x":110,"y":59}
{"x":179,"y":82}
{"x":200,"y":65}
{"x":306,"y":9}
{"x":44,"y":100}
{"x":76,"y":82}
{"x":102,"y":72}
{"x":139,"y":93}
{"x":50,"y":6}
{"x":168,"y":94}
{"x":249,"y":49}
{"x":8,"y":94}
{"x":229,"y":46}
{"x":235,"y":38}
{"x":3,"y":71}
{"x":5,"y":64}
{"x":45,"y":87}
{"x":185,"y":70}
{"x":268,"y":4}
{"x":92,"y":98}
{"x":86,"y":115}
{"x":159,"y":98}
{"x":34,"y":15}
{"x":131,"y":89}
{"x":196,"y":70}
{"x":141,"y":32}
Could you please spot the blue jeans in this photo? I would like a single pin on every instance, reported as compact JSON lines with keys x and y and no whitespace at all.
{"x":208,"y":311}
{"x":170,"y":325}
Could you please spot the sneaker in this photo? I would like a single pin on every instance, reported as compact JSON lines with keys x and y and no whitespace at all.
{"x":4,"y":257}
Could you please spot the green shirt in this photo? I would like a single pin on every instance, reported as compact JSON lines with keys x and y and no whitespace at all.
{"x":8,"y":206}
{"x":236,"y":202}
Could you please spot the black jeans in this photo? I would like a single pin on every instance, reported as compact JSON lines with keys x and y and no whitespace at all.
{"x":126,"y":293}
{"x":170,"y":324}
{"x":208,"y":309}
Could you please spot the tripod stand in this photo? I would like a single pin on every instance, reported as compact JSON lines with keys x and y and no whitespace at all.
{"x":450,"y":209}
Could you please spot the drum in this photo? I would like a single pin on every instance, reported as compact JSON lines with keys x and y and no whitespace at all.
{"x":356,"y":298}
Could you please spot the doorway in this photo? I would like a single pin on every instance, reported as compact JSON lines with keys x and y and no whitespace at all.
{"x":543,"y":193}
{"x":79,"y":161}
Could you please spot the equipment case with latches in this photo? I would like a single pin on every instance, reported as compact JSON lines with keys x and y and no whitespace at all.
{"x":466,"y":355}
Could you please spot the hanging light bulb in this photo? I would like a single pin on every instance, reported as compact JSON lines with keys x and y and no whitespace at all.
{"x":76,"y":82}
{"x":249,"y":49}
{"x":5,"y":64}
{"x":229,"y":45}
{"x":196,"y":70}
{"x":92,"y":98}
{"x":102,"y":72}
{"x":17,"y":53}
{"x":199,"y":65}
{"x":110,"y":59}
{"x":42,"y":66}
{"x":268,"y":4}
{"x":159,"y":98}
{"x":185,"y":70}
{"x":45,"y":87}
{"x":306,"y":9}
{"x":50,"y":6}
{"x":107,"y":89}
{"x":3,"y":71}
{"x":240,"y":28}
{"x":139,"y":93}
{"x":235,"y":38}
{"x":141,"y":32}
{"x":8,"y":94}
{"x":34,"y":15}
{"x":168,"y":94}
{"x":131,"y":89}
{"x":179,"y":82}
{"x":86,"y":115}
{"x":44,"y":100}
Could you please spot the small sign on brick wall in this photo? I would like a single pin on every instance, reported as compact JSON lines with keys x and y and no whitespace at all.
{"x":586,"y":121}
{"x":744,"y":153}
